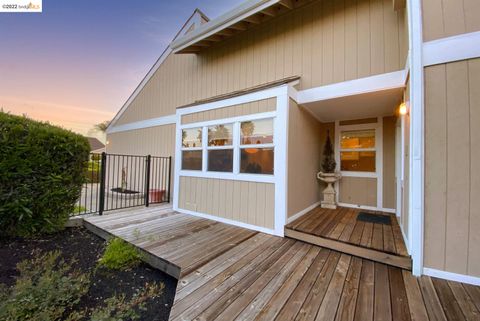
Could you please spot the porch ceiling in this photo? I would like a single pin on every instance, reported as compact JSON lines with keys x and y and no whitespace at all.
{"x":366,"y":105}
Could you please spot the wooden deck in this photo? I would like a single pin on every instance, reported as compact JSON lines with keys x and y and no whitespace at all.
{"x":340,"y":230}
{"x":229,"y":273}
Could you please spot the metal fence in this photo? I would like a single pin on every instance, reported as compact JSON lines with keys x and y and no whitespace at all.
{"x":115,"y":181}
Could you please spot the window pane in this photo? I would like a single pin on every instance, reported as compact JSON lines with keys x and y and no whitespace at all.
{"x":256,"y":160}
{"x":358,"y":139}
{"x":192,"y":160}
{"x":357,"y":161}
{"x":220,"y":160}
{"x":192,"y":137}
{"x":257,"y":132}
{"x":220,"y":135}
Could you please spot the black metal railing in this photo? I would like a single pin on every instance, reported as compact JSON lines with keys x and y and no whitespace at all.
{"x":115,"y":181}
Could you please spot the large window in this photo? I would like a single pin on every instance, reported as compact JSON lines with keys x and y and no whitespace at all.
{"x":357,"y":150}
{"x":245,"y":147}
{"x":192,"y":149}
{"x":256,"y":147}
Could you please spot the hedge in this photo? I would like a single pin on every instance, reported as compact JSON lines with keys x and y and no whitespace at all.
{"x":42,"y":169}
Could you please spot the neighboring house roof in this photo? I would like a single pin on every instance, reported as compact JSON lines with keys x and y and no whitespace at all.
{"x":197,"y":19}
{"x":95,"y":144}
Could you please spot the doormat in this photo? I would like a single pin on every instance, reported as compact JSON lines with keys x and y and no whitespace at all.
{"x":374,"y":218}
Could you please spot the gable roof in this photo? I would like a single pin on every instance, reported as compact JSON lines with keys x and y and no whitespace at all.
{"x":197,"y":19}
{"x":243,"y":17}
{"x":95,"y":143}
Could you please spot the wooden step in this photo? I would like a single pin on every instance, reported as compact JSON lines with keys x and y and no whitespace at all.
{"x":404,"y":262}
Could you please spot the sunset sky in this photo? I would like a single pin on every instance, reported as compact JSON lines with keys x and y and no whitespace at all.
{"x":76,"y":63}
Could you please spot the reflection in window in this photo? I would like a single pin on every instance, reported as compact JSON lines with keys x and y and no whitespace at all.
{"x":357,"y":151}
{"x":192,"y":137}
{"x":357,"y":161}
{"x":220,"y":160}
{"x":192,"y":160}
{"x":220,"y":135}
{"x":358,"y":139}
{"x":256,"y":160}
{"x":256,"y":132}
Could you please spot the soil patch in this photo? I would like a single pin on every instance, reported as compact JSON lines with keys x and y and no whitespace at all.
{"x":86,"y":248}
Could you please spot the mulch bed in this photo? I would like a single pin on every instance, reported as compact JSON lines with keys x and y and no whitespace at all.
{"x":87,"y":248}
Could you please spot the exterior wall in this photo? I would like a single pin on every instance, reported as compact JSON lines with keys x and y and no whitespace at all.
{"x":358,"y":190}
{"x":156,"y":141}
{"x":305,"y":144}
{"x":389,"y":183}
{"x":452,"y":175}
{"x":444,"y":18}
{"x":324,"y":42}
{"x":405,"y":216}
{"x":246,"y":202}
{"x":259,"y":106}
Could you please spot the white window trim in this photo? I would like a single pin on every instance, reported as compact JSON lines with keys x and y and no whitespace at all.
{"x":378,"y":174}
{"x":282,"y":94}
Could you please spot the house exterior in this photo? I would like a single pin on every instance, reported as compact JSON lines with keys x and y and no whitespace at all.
{"x":244,"y":103}
{"x":96,"y":146}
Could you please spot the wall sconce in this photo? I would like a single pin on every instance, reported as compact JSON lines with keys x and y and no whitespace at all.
{"x":402,"y":109}
{"x":107,"y":142}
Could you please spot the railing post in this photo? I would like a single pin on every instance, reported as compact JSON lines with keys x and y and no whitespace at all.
{"x":169,"y":176}
{"x":101,"y":195}
{"x":147,"y":180}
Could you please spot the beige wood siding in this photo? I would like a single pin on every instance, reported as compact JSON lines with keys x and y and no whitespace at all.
{"x":255,"y":107}
{"x":445,"y":18}
{"x":156,"y":141}
{"x":305,"y":144}
{"x":358,"y":191}
{"x":324,"y":42}
{"x":389,"y":184}
{"x":452,"y":175}
{"x":247,"y":202}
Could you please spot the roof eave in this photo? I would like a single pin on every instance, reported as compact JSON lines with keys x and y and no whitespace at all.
{"x":228,"y":19}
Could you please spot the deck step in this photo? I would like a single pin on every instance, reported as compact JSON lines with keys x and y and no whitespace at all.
{"x":404,"y":262}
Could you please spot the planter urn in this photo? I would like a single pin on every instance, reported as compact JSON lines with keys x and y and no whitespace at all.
{"x":329,"y":192}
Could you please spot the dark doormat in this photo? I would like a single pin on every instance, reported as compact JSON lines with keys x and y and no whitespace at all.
{"x":374,"y":218}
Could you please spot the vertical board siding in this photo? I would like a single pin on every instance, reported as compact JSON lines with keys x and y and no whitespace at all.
{"x":445,"y":18}
{"x":246,"y":202}
{"x":452,"y":141}
{"x":255,"y":107}
{"x":323,"y":42}
{"x":389,"y":183}
{"x":305,"y":143}
{"x":358,"y":191}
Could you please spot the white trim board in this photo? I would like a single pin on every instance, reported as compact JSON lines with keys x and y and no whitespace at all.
{"x":152,"y":122}
{"x":391,"y":80}
{"x":303,"y":212}
{"x":450,"y":49}
{"x":368,"y":208}
{"x":452,"y":276}
{"x":194,"y":18}
{"x":417,"y":130}
{"x":229,"y":221}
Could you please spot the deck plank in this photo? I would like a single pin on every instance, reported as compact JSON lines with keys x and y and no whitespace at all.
{"x":230,"y":273}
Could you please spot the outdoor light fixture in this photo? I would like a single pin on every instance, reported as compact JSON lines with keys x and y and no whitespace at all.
{"x":107,"y":142}
{"x":402,"y":109}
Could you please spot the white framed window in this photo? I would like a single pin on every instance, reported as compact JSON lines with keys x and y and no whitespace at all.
{"x":358,"y":150}
{"x":243,"y":147}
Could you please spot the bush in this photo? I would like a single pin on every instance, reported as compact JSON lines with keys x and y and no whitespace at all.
{"x":42,"y":171}
{"x":45,"y":289}
{"x":48,"y":289}
{"x":120,"y":255}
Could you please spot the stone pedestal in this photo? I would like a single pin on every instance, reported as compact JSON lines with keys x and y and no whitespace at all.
{"x":329,"y":192}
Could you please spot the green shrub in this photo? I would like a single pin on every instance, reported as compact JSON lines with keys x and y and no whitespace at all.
{"x":120,"y":255}
{"x":45,"y":289}
{"x":42,"y":170}
{"x":48,"y":289}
